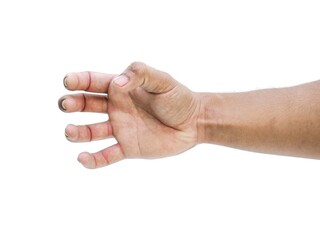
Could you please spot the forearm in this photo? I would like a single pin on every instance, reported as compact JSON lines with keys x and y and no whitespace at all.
{"x":282,"y":121}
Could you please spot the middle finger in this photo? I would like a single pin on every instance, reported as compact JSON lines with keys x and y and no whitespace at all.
{"x":84,"y":103}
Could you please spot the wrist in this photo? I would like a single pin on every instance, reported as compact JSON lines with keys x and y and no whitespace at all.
{"x":209,"y":119}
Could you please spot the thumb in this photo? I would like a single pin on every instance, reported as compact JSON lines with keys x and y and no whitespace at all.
{"x":141,"y":75}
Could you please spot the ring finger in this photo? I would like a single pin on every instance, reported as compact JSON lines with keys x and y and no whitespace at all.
{"x":84,"y":103}
{"x":87,"y":133}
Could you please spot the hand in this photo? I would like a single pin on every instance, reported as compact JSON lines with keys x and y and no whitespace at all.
{"x":151,"y":115}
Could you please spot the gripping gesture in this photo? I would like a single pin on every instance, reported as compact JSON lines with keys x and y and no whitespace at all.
{"x":150,"y":114}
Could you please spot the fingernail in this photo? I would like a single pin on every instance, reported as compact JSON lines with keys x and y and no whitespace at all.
{"x":63,"y":105}
{"x":66,"y":134}
{"x":121,"y":80}
{"x":65,"y":81}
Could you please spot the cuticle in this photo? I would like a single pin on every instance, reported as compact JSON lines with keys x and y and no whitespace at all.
{"x":60,"y":105}
{"x":65,"y":81}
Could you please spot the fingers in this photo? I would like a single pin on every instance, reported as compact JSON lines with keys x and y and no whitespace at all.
{"x":83,"y":103}
{"x":102,"y":158}
{"x":140,"y":75}
{"x":88,"y":81}
{"x":87,"y":133}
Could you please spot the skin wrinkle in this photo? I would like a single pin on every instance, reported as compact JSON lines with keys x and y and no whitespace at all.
{"x":193,"y":110}
{"x":118,"y":145}
{"x":138,"y":140}
{"x":145,"y":124}
{"x":139,"y":144}
{"x":172,"y":95}
{"x":106,"y":157}
{"x":106,"y":104}
{"x":90,"y":133}
{"x":89,"y":81}
{"x":143,"y":82}
{"x":95,"y":162}
{"x":84,"y":103}
{"x":110,"y":129}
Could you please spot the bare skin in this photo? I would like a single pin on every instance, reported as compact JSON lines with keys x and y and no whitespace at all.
{"x":151,"y":115}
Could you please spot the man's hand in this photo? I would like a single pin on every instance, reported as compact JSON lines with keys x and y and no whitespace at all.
{"x":151,"y":115}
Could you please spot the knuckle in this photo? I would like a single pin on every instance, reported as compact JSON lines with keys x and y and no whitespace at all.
{"x":89,"y":81}
{"x":89,"y":133}
{"x":84,"y":102}
{"x":138,"y":68}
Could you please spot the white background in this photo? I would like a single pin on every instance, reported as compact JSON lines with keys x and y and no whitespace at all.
{"x":209,"y":192}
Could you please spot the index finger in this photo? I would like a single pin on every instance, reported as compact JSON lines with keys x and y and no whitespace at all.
{"x":88,"y":81}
